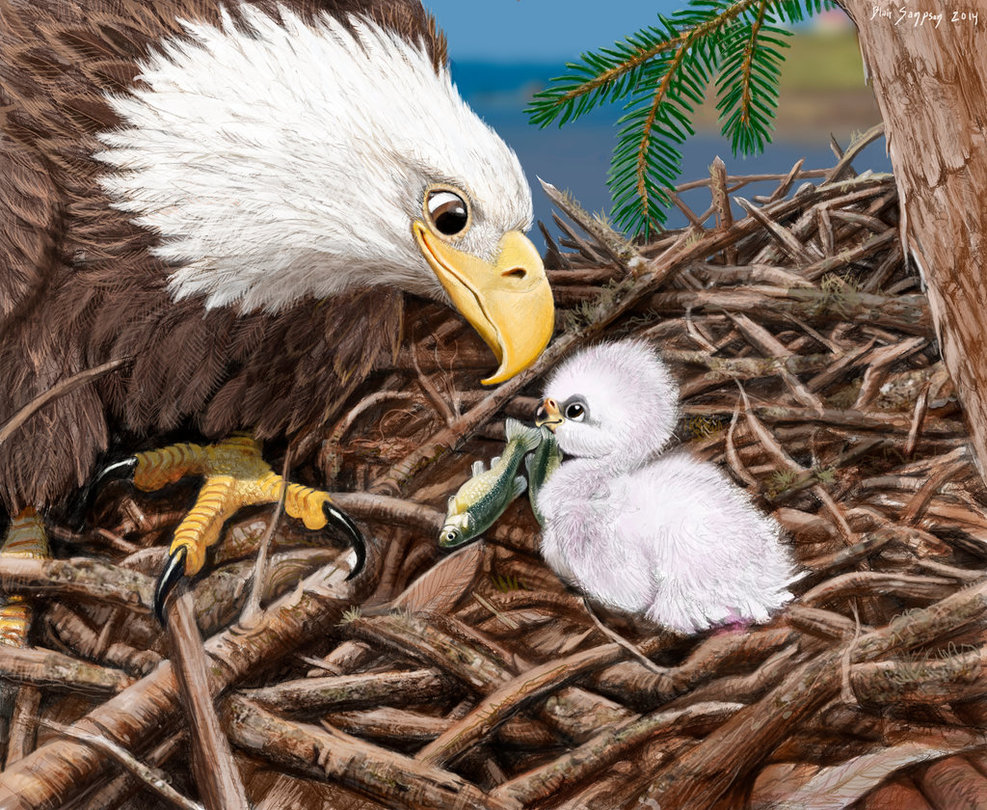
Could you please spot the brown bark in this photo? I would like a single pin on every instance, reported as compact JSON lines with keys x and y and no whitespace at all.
{"x":59,"y":771}
{"x":216,"y":774}
{"x":327,"y":753}
{"x":37,"y":667}
{"x":930,"y":80}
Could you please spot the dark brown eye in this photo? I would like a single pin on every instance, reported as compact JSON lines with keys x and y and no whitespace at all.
{"x":575,"y":411}
{"x":448,"y":211}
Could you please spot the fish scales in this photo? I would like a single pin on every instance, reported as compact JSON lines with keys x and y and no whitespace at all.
{"x":540,"y":465}
{"x":485,"y":496}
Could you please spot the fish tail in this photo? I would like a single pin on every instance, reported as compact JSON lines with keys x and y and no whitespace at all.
{"x":527,"y":438}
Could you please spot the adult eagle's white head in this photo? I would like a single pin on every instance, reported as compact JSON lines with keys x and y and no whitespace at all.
{"x":281,"y":158}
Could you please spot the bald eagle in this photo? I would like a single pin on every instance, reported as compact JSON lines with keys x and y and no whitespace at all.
{"x":231,"y":199}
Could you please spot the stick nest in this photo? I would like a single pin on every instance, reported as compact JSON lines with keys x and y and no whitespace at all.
{"x":809,"y":369}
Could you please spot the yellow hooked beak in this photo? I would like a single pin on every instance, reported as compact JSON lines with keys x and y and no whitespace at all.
{"x":549,"y":415}
{"x":508,"y":302}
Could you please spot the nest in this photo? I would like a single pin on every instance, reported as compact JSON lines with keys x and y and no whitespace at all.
{"x":809,"y":369}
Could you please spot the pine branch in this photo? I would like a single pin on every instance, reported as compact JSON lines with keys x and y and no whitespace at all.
{"x":661,"y":73}
{"x":642,"y":158}
{"x":747,"y":70}
{"x":612,"y":71}
{"x":546,"y":114}
{"x":646,"y":161}
{"x":748,"y":82}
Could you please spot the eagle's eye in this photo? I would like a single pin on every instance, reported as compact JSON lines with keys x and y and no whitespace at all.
{"x":447,"y":212}
{"x":575,"y":411}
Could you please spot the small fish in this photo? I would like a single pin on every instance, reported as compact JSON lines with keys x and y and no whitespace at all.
{"x":540,"y":466}
{"x":483,"y":499}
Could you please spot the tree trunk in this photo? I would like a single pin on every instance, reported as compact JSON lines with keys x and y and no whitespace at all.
{"x":930,"y":80}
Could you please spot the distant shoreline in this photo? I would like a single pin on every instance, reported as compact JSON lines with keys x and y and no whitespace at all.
{"x":577,"y":156}
{"x":822,"y":91}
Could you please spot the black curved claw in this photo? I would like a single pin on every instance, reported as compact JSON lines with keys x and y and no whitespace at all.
{"x":117,"y":471}
{"x":170,"y":577}
{"x":346,"y":523}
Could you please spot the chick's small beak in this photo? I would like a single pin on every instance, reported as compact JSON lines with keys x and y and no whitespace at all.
{"x":508,"y":301}
{"x":548,"y":414}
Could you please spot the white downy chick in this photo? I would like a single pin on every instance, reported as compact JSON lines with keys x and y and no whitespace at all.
{"x":665,"y":536}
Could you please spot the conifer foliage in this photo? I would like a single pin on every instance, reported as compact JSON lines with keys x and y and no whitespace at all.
{"x":660,"y":74}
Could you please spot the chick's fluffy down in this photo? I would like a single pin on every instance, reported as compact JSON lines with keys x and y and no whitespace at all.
{"x":674,"y":541}
{"x":655,"y":533}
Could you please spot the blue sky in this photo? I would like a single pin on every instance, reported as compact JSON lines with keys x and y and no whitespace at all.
{"x":539,"y":30}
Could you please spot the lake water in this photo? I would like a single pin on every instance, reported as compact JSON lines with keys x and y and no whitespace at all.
{"x":577,"y":156}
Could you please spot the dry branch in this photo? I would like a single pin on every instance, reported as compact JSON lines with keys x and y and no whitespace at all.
{"x":69,"y":767}
{"x":329,"y":753}
{"x":154,"y":780}
{"x":217,"y":776}
{"x":53,"y":669}
{"x":346,"y":692}
{"x":80,"y":578}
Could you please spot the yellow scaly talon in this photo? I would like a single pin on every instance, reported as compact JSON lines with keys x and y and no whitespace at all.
{"x":26,"y":537}
{"x":236,"y":475}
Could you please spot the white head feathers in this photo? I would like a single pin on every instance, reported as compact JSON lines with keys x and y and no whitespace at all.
{"x":630,"y":401}
{"x":291,"y":159}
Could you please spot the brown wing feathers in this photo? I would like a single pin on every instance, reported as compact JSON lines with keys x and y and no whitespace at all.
{"x":78,"y":285}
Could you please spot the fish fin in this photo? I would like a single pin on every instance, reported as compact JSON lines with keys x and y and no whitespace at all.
{"x":451,"y":504}
{"x":520,"y":485}
{"x":493,"y":461}
{"x":529,"y":438}
{"x":477,"y":468}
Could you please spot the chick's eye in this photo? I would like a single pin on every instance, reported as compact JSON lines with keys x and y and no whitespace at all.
{"x":575,"y":412}
{"x":447,"y":211}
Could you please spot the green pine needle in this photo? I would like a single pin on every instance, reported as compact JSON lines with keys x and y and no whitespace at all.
{"x":660,"y":74}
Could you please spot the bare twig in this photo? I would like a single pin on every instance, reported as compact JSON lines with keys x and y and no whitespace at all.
{"x":324,"y":753}
{"x":252,"y":606}
{"x":216,"y":773}
{"x":150,"y":777}
{"x":60,"y":389}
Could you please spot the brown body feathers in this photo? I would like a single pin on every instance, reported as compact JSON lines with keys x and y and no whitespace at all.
{"x":79,"y":287}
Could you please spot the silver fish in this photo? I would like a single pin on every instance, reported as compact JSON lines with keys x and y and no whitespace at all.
{"x":485,"y":496}
{"x":540,"y":465}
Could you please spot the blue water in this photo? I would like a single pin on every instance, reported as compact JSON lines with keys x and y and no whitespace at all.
{"x":577,"y":156}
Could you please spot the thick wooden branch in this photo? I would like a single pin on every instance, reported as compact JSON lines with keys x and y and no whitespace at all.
{"x":216,"y":773}
{"x":703,"y":774}
{"x":922,"y":680}
{"x":53,"y":669}
{"x":347,"y":692}
{"x":325,"y":753}
{"x":80,"y":578}
{"x":57,"y":772}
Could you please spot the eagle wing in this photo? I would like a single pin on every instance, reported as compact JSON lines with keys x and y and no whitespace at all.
{"x":28,"y":227}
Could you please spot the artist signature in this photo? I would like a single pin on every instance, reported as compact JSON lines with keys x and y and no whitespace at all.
{"x":915,"y":18}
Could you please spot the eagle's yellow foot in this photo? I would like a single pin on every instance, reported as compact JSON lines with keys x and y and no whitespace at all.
{"x":236,"y":475}
{"x":25,"y":538}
